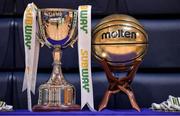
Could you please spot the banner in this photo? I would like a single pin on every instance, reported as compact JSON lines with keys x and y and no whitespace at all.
{"x":84,"y":51}
{"x":31,"y":46}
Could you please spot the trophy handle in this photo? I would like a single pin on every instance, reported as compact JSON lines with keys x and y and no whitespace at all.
{"x":119,"y":84}
{"x":41,"y":35}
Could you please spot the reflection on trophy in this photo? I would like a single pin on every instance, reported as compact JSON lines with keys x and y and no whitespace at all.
{"x":119,"y":44}
{"x":58,"y":29}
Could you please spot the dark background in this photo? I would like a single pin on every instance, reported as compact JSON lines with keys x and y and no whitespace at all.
{"x":157,"y":77}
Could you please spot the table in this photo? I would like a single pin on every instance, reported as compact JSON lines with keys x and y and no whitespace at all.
{"x":107,"y":112}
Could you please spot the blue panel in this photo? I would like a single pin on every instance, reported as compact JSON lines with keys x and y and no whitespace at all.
{"x":7,"y":7}
{"x":98,"y":6}
{"x":6,"y":87}
{"x":6,"y":43}
{"x":151,"y":87}
{"x":20,"y":99}
{"x":163,"y":51}
{"x":148,"y":88}
{"x":164,"y":43}
{"x":135,"y":7}
{"x":149,"y":7}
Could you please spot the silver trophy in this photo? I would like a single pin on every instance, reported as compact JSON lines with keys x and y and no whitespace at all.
{"x":58,"y":30}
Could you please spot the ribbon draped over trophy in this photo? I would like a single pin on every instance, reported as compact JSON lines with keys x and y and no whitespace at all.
{"x":84,"y":49}
{"x":32,"y":48}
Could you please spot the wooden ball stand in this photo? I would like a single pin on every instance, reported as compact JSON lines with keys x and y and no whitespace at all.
{"x":119,"y":84}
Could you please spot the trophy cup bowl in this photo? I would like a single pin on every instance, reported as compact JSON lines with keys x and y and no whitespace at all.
{"x":58,"y":30}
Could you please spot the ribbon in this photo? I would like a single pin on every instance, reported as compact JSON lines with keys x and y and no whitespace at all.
{"x":31,"y":46}
{"x":84,"y":51}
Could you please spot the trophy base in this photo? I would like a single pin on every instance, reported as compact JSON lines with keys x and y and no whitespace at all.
{"x":48,"y":108}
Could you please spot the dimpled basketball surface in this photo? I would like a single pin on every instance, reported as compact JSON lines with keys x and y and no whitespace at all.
{"x":119,"y":39}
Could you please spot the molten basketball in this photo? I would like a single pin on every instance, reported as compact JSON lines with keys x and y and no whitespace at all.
{"x":119,"y":39}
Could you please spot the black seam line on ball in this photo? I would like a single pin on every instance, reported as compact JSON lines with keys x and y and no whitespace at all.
{"x":122,"y":25}
{"x":117,"y":43}
{"x":110,"y":61}
{"x":141,"y":55}
{"x":119,"y":20}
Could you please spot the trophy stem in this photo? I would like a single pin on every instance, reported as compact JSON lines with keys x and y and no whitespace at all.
{"x":56,"y":94}
{"x":57,"y":77}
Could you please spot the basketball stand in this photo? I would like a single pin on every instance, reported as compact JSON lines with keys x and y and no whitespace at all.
{"x":119,"y":84}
